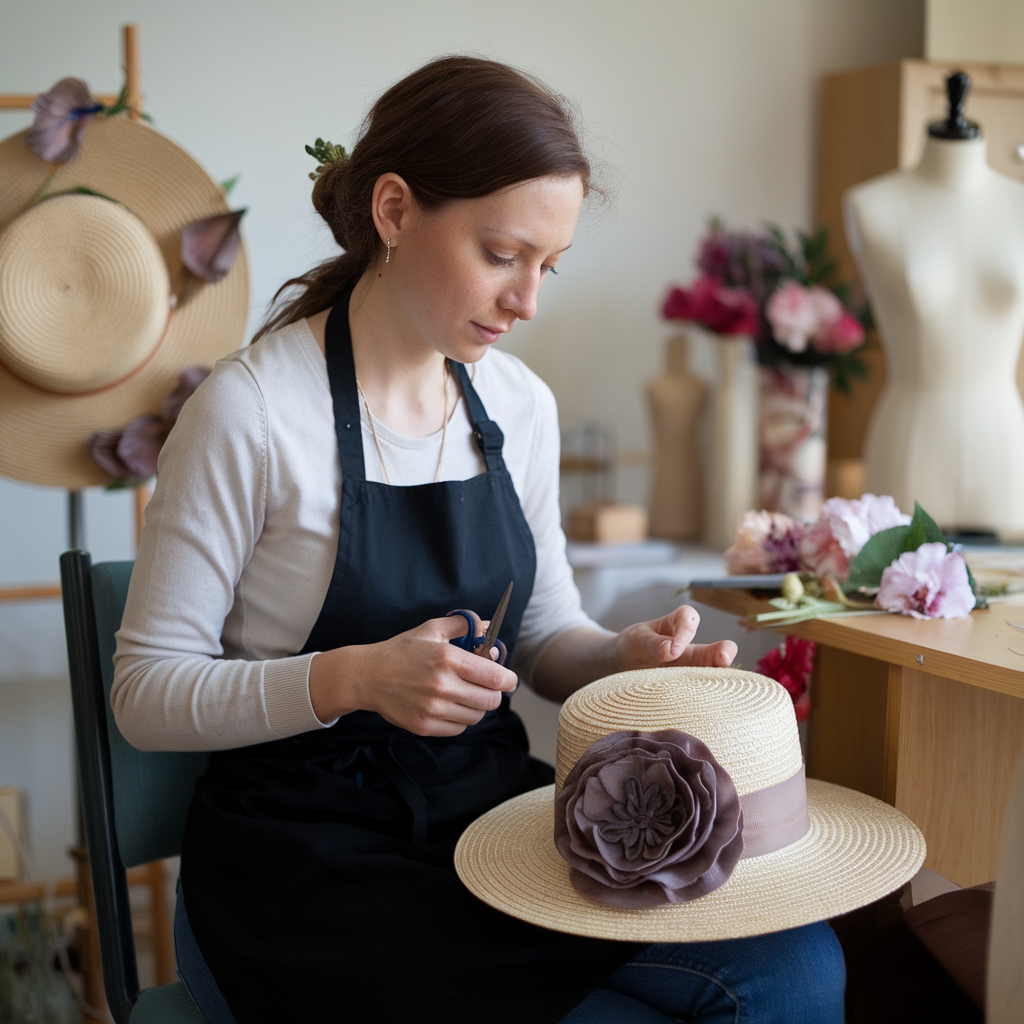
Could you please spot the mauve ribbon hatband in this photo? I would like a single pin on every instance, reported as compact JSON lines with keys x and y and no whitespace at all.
{"x":775,"y":817}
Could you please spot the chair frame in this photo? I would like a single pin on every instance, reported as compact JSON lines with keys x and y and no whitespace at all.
{"x":109,"y":878}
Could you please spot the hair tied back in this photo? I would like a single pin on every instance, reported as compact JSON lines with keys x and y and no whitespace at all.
{"x":325,"y":153}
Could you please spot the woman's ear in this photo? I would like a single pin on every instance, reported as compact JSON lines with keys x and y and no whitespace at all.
{"x":392,"y":205}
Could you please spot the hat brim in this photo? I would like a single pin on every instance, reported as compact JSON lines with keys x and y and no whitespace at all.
{"x":42,"y":434}
{"x":857,"y":850}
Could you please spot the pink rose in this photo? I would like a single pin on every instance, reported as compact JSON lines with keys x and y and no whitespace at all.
{"x":929,"y":583}
{"x":844,"y":335}
{"x":764,"y":542}
{"x":793,"y":314}
{"x":709,"y":302}
{"x":843,"y":528}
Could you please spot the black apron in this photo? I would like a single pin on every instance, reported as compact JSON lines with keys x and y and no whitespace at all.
{"x":318,"y":870}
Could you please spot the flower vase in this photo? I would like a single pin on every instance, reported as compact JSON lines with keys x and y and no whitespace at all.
{"x":794,"y":420}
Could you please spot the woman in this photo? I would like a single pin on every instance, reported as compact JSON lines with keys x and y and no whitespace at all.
{"x":327,"y":496}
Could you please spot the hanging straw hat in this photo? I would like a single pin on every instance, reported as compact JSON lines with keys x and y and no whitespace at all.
{"x":685,"y":816}
{"x":88,"y":336}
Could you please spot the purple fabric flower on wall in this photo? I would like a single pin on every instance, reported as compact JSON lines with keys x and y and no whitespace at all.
{"x":209,"y":246}
{"x":647,"y":818}
{"x":129,"y":454}
{"x":61,"y":117}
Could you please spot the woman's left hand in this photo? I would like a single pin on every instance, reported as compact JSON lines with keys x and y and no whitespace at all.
{"x":669,"y":641}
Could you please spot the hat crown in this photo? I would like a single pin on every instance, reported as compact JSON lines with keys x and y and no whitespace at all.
{"x":745,"y":719}
{"x":83,"y":293}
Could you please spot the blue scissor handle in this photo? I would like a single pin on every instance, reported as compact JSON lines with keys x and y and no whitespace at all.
{"x":472,"y":643}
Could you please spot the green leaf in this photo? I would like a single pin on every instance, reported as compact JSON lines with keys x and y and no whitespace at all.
{"x":229,"y":183}
{"x":923,"y":530}
{"x":875,"y":557}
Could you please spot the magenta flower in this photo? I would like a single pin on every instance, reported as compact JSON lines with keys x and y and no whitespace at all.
{"x":61,"y":117}
{"x":843,"y":336}
{"x":718,"y":308}
{"x":929,"y":583}
{"x":792,"y":664}
{"x":843,"y":528}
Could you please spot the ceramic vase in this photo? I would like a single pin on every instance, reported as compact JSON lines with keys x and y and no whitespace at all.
{"x":794,"y":421}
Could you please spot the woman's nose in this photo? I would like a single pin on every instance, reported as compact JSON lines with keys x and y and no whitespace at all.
{"x":521,"y":299}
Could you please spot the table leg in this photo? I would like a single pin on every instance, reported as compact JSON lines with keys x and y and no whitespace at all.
{"x":846,"y":744}
{"x":951,"y":756}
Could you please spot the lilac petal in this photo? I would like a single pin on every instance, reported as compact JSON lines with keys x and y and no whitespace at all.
{"x":140,"y":445}
{"x":61,"y":117}
{"x":188,"y":380}
{"x":209,"y":246}
{"x":102,"y":446}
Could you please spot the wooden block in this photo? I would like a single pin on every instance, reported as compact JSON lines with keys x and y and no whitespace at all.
{"x":11,"y":867}
{"x":958,"y":750}
{"x":608,"y":523}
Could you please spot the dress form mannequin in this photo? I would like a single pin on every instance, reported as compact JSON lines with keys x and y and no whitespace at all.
{"x":940,"y":250}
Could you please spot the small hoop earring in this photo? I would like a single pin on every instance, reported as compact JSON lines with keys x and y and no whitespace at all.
{"x":387,"y":259}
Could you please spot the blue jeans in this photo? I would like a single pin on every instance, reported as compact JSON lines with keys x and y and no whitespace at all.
{"x":792,"y":977}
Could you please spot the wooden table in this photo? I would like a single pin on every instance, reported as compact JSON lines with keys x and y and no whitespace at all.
{"x":928,"y":716}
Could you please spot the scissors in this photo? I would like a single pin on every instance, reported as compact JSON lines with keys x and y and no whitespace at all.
{"x":482,"y":644}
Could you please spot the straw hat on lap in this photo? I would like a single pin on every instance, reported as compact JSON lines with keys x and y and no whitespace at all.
{"x":680,"y":813}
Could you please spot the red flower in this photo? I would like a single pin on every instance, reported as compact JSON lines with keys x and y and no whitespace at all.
{"x":792,"y":665}
{"x":720,"y":309}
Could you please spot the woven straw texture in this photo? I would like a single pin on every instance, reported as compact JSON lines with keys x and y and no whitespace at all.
{"x":83,"y":294}
{"x":746,"y":720}
{"x":857,"y":849}
{"x":41,"y":433}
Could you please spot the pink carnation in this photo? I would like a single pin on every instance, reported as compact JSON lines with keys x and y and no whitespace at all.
{"x":844,"y":335}
{"x":929,"y":583}
{"x":792,"y":665}
{"x":765,"y":542}
{"x":709,"y":302}
{"x":843,"y":528}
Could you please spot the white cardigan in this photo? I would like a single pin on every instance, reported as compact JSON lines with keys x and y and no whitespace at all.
{"x":242,"y":532}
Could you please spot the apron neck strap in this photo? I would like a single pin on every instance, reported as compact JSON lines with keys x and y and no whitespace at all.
{"x":341,"y":373}
{"x":486,"y":432}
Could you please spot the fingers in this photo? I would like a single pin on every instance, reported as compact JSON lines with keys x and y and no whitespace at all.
{"x":716,"y":655}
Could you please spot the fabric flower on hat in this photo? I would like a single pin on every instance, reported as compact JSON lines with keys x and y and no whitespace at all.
{"x":929,"y":583}
{"x":129,"y":454}
{"x":764,"y":542}
{"x":647,"y":818}
{"x":842,"y":528}
{"x":62,"y":114}
{"x":791,"y":664}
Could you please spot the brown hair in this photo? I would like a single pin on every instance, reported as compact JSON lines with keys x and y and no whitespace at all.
{"x":458,"y":128}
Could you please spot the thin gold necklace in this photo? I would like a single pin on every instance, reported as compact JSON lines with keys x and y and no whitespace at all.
{"x":376,"y":441}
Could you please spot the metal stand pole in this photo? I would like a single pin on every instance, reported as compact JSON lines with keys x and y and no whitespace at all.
{"x":76,"y":520}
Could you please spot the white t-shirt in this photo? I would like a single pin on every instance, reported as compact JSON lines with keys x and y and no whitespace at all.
{"x":242,"y":532}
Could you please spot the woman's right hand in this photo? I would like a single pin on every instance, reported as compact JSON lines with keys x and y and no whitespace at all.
{"x":416,"y":680}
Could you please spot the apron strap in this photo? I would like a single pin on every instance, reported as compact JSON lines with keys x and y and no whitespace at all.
{"x":486,"y":432}
{"x":341,"y":372}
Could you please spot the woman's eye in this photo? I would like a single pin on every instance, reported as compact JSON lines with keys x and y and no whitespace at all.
{"x":501,"y":261}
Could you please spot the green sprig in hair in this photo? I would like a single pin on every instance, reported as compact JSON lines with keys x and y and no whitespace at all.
{"x":325,"y":153}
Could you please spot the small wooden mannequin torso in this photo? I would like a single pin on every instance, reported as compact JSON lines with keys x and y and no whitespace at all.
{"x":941,"y":252}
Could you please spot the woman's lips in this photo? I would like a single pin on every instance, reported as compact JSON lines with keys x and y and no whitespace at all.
{"x":489,"y":334}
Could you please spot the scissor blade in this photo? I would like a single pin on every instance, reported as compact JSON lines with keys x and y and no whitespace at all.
{"x":492,"y":630}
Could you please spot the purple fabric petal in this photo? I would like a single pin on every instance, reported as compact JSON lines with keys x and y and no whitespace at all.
{"x":140,"y":445}
{"x":102,"y":446}
{"x":61,"y":117}
{"x":648,"y":818}
{"x":188,"y":380}
{"x":209,"y":246}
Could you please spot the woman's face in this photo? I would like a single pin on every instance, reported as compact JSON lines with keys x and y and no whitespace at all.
{"x":465,"y":273}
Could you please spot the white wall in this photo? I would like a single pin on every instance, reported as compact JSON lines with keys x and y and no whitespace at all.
{"x":697,"y":106}
{"x":975,"y":30}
